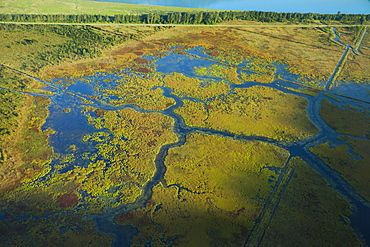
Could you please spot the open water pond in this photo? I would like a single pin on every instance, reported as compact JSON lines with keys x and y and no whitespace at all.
{"x":305,"y":6}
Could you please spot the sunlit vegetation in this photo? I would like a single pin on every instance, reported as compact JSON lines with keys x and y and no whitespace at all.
{"x":125,"y":164}
{"x":365,"y":48}
{"x":184,"y":86}
{"x":307,"y":207}
{"x":114,"y":61}
{"x":141,"y":91}
{"x":353,"y":165}
{"x":254,"y":111}
{"x":222,"y":72}
{"x":23,"y":144}
{"x":308,"y":52}
{"x":194,"y":113}
{"x":346,"y":119}
{"x":137,"y":138}
{"x":32,"y":47}
{"x":307,"y":55}
{"x":356,"y":69}
{"x":214,"y":191}
{"x":261,"y":78}
{"x":347,"y":35}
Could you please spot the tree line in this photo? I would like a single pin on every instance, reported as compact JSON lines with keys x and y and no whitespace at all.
{"x":188,"y":18}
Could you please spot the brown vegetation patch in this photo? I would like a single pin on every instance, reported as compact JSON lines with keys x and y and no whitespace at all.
{"x":37,"y":168}
{"x":34,"y":129}
{"x":213,"y":53}
{"x":100,"y":112}
{"x":131,"y":101}
{"x":11,"y":185}
{"x":144,"y":70}
{"x":68,"y":200}
{"x":123,"y":51}
{"x":22,"y":207}
{"x":141,"y":60}
{"x":152,"y":143}
{"x":157,"y":132}
{"x":125,"y":216}
{"x":365,"y":51}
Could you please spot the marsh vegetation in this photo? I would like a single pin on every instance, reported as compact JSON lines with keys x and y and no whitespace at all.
{"x":132,"y":136}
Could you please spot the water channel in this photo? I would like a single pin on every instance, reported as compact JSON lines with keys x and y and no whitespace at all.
{"x":72,"y":125}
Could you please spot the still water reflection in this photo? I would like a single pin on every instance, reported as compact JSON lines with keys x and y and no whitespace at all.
{"x":302,"y":6}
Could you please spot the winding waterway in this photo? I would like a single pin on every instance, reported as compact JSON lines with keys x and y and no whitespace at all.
{"x":74,"y":96}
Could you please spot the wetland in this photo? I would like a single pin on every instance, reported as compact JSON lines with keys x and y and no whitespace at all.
{"x":184,"y":136}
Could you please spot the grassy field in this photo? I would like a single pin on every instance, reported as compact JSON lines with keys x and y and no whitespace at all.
{"x":80,"y":7}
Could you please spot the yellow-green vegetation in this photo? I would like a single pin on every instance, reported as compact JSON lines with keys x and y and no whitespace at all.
{"x":30,"y":48}
{"x":310,"y":213}
{"x":23,"y":144}
{"x":80,"y":7}
{"x":24,"y":156}
{"x":254,"y":111}
{"x":269,"y":209}
{"x":365,"y":48}
{"x":223,"y":72}
{"x":194,"y":113}
{"x":34,"y":216}
{"x":366,"y":40}
{"x":139,"y":91}
{"x":261,"y":78}
{"x":347,"y":35}
{"x":126,"y":164}
{"x":113,"y":61}
{"x":38,"y":49}
{"x":137,"y":138}
{"x":347,"y":119}
{"x":215,"y":190}
{"x":356,"y":69}
{"x":184,"y":86}
{"x":20,"y":45}
{"x":353,"y":169}
{"x":356,"y":66}
{"x":307,"y":51}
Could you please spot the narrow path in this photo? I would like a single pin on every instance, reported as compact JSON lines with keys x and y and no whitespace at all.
{"x":331,"y":82}
{"x":359,"y":40}
{"x":270,"y":208}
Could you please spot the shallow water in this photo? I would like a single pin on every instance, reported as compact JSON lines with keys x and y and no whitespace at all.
{"x":304,"y":6}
